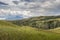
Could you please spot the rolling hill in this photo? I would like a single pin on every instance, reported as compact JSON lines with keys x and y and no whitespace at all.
{"x":42,"y":22}
{"x":25,"y":33}
{"x":21,"y":29}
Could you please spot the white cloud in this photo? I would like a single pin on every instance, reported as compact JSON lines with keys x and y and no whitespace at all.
{"x":34,"y":8}
{"x":2,"y":18}
{"x":14,"y":12}
{"x":8,"y":2}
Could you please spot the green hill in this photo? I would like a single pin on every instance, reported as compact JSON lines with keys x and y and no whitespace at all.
{"x":56,"y":30}
{"x":6,"y":23}
{"x":42,"y":22}
{"x":25,"y":33}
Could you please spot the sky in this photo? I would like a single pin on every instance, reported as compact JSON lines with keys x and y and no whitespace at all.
{"x":17,"y":9}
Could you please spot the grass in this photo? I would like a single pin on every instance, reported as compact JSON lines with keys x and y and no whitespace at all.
{"x":56,"y":30}
{"x":13,"y":32}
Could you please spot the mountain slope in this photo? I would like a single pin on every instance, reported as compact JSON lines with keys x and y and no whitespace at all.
{"x":42,"y":22}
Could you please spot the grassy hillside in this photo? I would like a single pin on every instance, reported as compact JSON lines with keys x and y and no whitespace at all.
{"x":6,"y":24}
{"x":9,"y":31}
{"x":56,"y":30}
{"x":42,"y":22}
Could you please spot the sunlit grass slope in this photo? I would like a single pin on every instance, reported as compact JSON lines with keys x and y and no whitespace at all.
{"x":56,"y":30}
{"x":9,"y":31}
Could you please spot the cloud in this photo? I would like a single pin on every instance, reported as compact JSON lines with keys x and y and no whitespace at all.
{"x":15,"y":13}
{"x":8,"y":2}
{"x":2,"y":18}
{"x":30,"y":8}
{"x":1,"y":3}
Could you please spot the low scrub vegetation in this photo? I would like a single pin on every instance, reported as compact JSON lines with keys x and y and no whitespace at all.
{"x":42,"y":22}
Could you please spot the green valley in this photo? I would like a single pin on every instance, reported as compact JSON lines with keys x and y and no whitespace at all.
{"x":36,"y":28}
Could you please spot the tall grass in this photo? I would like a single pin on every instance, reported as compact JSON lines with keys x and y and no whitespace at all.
{"x":26,"y":33}
{"x":11,"y":32}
